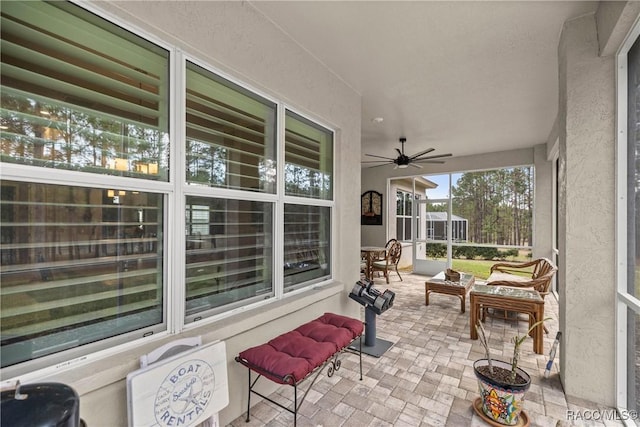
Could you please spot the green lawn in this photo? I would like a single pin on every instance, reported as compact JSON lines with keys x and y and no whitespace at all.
{"x":479,"y":268}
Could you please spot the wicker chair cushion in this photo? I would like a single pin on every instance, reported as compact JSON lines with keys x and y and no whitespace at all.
{"x":497,"y":276}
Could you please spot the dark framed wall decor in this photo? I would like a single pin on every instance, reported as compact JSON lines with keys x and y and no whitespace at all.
{"x":371,"y":213}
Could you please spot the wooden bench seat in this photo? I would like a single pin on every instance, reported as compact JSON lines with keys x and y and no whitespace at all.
{"x":292,"y":357}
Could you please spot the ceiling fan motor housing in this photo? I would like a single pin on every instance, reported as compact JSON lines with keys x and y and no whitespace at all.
{"x":402,"y":159}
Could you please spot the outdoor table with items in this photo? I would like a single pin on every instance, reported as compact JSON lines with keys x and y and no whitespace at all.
{"x":518,"y":300}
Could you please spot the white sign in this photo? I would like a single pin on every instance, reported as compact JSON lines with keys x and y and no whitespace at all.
{"x":183,"y":390}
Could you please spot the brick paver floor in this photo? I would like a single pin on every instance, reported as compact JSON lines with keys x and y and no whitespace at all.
{"x":426,"y":378}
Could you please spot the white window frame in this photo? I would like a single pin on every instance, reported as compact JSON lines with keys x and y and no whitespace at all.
{"x":284,"y":199}
{"x":625,"y":300}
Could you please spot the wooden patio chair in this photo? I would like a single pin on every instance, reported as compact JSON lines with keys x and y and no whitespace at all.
{"x":536,"y":274}
{"x":391,"y":259}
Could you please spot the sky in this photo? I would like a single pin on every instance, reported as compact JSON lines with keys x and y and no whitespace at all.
{"x":442,"y":191}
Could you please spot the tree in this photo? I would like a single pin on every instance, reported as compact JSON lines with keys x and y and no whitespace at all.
{"x":498,"y":205}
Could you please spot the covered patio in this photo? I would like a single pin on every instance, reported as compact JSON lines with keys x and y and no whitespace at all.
{"x":426,"y":378}
{"x":316,"y":88}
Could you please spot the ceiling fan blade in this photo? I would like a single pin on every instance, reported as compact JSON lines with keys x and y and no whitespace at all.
{"x":433,"y":157}
{"x":377,"y":166}
{"x":377,"y":161}
{"x":438,"y":162}
{"x":381,"y":157}
{"x":415,"y":165}
{"x":422,"y":153}
{"x":400,"y":153}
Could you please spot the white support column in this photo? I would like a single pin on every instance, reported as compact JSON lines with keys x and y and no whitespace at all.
{"x":586,"y":220}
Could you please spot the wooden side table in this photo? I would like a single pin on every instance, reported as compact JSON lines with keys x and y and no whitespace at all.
{"x":526,"y":301}
{"x":439,"y":285}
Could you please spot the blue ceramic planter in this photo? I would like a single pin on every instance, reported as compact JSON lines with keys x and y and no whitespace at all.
{"x":501,"y":402}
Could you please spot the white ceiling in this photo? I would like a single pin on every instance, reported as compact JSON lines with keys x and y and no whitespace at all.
{"x":462,"y":77}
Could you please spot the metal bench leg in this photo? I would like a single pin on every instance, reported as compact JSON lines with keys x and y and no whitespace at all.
{"x":295,"y":405}
{"x":360,"y":357}
{"x":249,"y":397}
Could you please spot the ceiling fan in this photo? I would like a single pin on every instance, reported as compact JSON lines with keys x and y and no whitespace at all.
{"x":402,"y":161}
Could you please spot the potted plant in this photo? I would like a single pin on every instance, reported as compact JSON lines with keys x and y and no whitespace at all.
{"x":502,"y":385}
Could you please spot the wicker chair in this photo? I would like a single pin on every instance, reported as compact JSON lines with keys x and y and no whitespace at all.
{"x":536,"y":274}
{"x":391,"y":259}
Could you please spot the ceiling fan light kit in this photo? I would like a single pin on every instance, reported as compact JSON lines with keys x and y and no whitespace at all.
{"x":403,"y":161}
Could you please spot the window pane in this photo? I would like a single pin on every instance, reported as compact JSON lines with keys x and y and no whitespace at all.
{"x":400,"y":227}
{"x":78,"y":265}
{"x":399,"y":203}
{"x":308,"y":158}
{"x":229,"y":253}
{"x":80,"y":93}
{"x":407,"y":228}
{"x":495,"y":205}
{"x":307,"y":244}
{"x":231,"y":134}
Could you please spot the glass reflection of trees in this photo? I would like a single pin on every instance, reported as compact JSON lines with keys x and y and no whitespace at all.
{"x":41,"y":133}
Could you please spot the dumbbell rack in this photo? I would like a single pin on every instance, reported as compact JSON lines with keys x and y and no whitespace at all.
{"x":375,"y":303}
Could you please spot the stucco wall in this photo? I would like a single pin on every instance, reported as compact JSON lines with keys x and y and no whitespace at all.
{"x":586,"y":220}
{"x":236,"y":39}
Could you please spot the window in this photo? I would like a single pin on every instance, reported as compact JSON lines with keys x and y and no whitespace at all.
{"x":229,"y":261}
{"x":628,"y":221}
{"x":308,"y":158}
{"x":404,"y":209}
{"x":80,"y":263}
{"x":231,"y":145}
{"x":633,"y":224}
{"x":231,"y":134}
{"x":495,"y":205}
{"x":87,"y":195}
{"x":307,"y":232}
{"x":307,"y":227}
{"x":79,"y":93}
{"x":491,"y":217}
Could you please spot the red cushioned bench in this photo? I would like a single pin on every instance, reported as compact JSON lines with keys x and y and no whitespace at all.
{"x":293,"y":356}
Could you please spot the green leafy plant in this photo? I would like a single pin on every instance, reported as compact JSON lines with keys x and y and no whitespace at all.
{"x":517,"y":342}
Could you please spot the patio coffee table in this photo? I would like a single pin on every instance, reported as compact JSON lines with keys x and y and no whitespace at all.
{"x":526,"y":301}
{"x":439,"y":285}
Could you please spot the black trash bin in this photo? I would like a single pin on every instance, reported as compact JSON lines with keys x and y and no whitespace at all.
{"x":40,"y":405}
